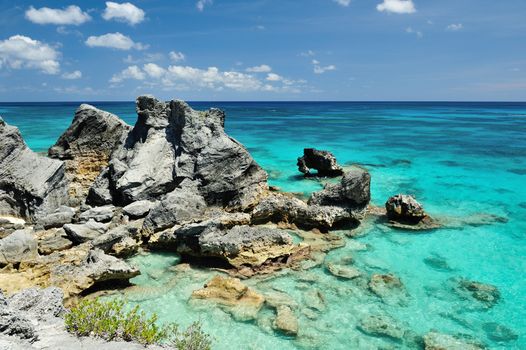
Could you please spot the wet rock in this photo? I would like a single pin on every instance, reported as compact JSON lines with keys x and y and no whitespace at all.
{"x":52,"y":240}
{"x":347,"y":272}
{"x":139,"y":209}
{"x":63,"y":215}
{"x":98,"y":214}
{"x":314,"y":299}
{"x":187,"y":145}
{"x":323,"y":162}
{"x":243,"y":302}
{"x":286,"y":321}
{"x":438,"y":341}
{"x":388,"y":287}
{"x":353,"y":192}
{"x":86,"y":146}
{"x":246,"y":245}
{"x":488,"y":294}
{"x":17,"y":247}
{"x":381,"y":326}
{"x":31,"y":186}
{"x":499,"y":333}
{"x":80,"y":233}
{"x":182,"y":205}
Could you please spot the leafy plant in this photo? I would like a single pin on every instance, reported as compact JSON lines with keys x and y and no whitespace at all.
{"x":109,"y":320}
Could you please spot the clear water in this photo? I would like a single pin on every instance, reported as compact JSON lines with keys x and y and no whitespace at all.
{"x":459,"y":159}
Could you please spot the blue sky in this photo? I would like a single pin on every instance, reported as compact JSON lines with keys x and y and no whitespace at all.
{"x":263,"y":50}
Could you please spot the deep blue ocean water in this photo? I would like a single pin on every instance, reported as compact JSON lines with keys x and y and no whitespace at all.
{"x":463,"y":161}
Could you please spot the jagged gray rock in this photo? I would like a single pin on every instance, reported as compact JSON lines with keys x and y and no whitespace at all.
{"x":86,"y":147}
{"x":31,"y":185}
{"x":17,"y":247}
{"x":63,"y":215}
{"x":99,"y":214}
{"x":52,"y":240}
{"x":323,"y":162}
{"x":405,"y":209}
{"x":187,"y":144}
{"x":139,"y":209}
{"x":80,"y":233}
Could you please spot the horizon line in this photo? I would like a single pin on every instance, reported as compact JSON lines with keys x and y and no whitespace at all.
{"x":278,"y":101}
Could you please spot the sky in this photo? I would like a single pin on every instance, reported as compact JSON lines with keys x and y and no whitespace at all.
{"x":271,"y":50}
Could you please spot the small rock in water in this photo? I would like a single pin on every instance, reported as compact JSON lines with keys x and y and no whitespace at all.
{"x":381,"y":326}
{"x":485,"y":293}
{"x":439,"y":341}
{"x":286,"y":321}
{"x":388,"y":287}
{"x":403,"y":211}
{"x":322,"y":161}
{"x":343,"y":271}
{"x":498,"y":332}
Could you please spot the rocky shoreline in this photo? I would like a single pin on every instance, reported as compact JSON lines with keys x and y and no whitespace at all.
{"x":176,"y":182}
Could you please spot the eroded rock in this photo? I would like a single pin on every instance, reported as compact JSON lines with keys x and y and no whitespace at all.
{"x":487,"y":294}
{"x":80,"y":233}
{"x":17,"y":247}
{"x":439,"y":341}
{"x":381,"y":326}
{"x":286,"y":321}
{"x":347,"y":272}
{"x":323,"y":162}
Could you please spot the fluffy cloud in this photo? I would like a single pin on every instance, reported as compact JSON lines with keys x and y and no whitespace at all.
{"x":73,"y":75}
{"x":202,"y":3}
{"x":418,"y":33}
{"x":176,"y":56}
{"x":115,"y":41}
{"x":132,"y":72}
{"x":125,"y":12}
{"x":71,"y":15}
{"x":454,"y":27}
{"x":210,"y":78}
{"x":343,"y":2}
{"x":319,"y":69}
{"x":23,"y":52}
{"x":259,"y":69}
{"x":397,"y":6}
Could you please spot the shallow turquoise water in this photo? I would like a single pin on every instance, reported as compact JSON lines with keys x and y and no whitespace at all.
{"x":459,"y":159}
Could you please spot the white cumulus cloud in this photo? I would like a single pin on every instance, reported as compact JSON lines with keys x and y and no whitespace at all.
{"x":454,"y":27}
{"x":71,"y":15}
{"x":274,"y":77}
{"x":72,"y":75}
{"x":397,"y":6}
{"x":125,"y":12}
{"x":259,"y":69}
{"x":132,"y":72}
{"x":202,"y":3}
{"x":114,"y":40}
{"x":21,"y":51}
{"x":176,"y":56}
{"x":343,"y":2}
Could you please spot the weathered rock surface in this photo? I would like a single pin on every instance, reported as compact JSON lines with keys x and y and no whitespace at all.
{"x":9,"y":225}
{"x":61,"y":216}
{"x":86,"y":147}
{"x":388,"y":287}
{"x":17,"y":247}
{"x":381,"y":326}
{"x":243,"y":302}
{"x":30,"y":185}
{"x":347,"y":272}
{"x":99,"y":214}
{"x":187,"y":144}
{"x":323,"y":162}
{"x":403,"y":211}
{"x":439,"y":341}
{"x":353,"y":192}
{"x":487,"y":294}
{"x":52,"y":240}
{"x":121,"y":241}
{"x":286,"y":321}
{"x":80,"y":233}
{"x":139,"y":209}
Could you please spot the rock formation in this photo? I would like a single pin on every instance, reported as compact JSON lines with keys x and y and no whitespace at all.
{"x":403,"y":211}
{"x":323,"y":162}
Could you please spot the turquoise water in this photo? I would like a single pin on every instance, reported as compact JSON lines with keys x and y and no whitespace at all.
{"x":461,"y":160}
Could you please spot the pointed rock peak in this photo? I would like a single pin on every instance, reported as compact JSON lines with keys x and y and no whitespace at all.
{"x":2,"y":123}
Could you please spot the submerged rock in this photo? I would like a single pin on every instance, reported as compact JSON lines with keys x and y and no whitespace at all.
{"x":243,"y":302}
{"x":381,"y":326}
{"x":187,"y":144}
{"x":86,"y":146}
{"x":347,"y":272}
{"x":286,"y":321}
{"x":31,"y":185}
{"x":323,"y":162}
{"x":499,"y":333}
{"x":388,"y":287}
{"x":488,"y":294}
{"x":439,"y":341}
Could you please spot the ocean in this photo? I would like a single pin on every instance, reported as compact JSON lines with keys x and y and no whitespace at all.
{"x":465,"y":162}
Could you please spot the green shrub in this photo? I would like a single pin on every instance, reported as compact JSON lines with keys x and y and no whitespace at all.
{"x":109,"y":320}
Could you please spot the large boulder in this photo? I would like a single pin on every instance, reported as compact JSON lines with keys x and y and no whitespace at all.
{"x":186,"y":144}
{"x":323,"y":162}
{"x":17,"y":247}
{"x":353,"y":191}
{"x":30,"y":185}
{"x":404,"y":209}
{"x":86,"y":147}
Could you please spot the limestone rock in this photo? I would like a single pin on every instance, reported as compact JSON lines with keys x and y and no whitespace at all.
{"x":121,"y":241}
{"x":52,"y":240}
{"x":139,"y":209}
{"x":61,"y":216}
{"x":381,"y":326}
{"x":243,"y":302}
{"x":439,"y":341}
{"x":31,"y":185}
{"x":388,"y":287}
{"x":286,"y":321}
{"x":99,"y":214}
{"x":354,"y":191}
{"x":17,"y":247}
{"x":9,"y":225}
{"x":86,"y":147}
{"x":322,"y":161}
{"x":80,"y":233}
{"x":187,"y":144}
{"x":347,"y":272}
{"x":246,"y":245}
{"x":405,"y":209}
